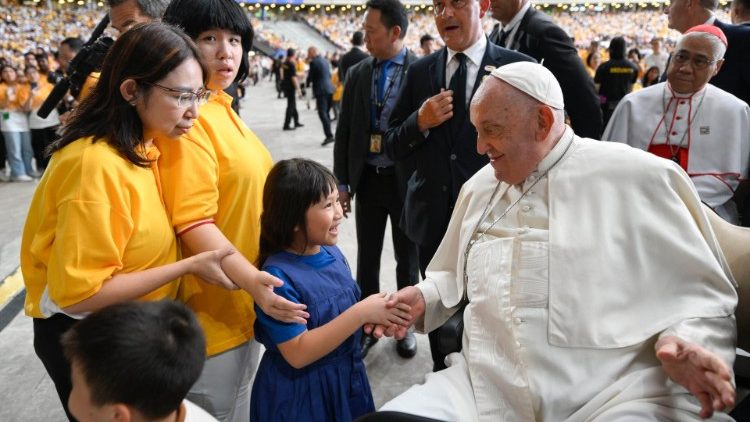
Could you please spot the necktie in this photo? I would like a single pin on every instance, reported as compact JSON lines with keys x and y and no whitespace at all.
{"x":503,"y":38}
{"x":458,"y":86}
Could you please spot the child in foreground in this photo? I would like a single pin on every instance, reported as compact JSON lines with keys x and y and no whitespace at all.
{"x":312,"y":372}
{"x":135,"y":362}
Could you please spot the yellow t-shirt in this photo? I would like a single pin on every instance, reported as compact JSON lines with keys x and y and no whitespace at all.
{"x":215,"y":173}
{"x":17,"y":100}
{"x":93,"y":215}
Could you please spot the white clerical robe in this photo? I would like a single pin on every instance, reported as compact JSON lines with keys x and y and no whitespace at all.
{"x":712,"y":127}
{"x":569,"y":292}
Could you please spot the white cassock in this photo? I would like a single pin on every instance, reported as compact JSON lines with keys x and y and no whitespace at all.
{"x":707,"y":132}
{"x":570,"y":291}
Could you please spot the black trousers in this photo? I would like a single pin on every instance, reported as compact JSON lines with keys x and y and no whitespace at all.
{"x":377,"y":199}
{"x":40,"y":140}
{"x":425,"y":256}
{"x":47,"y":334}
{"x":291,"y":108}
{"x":323,"y":104}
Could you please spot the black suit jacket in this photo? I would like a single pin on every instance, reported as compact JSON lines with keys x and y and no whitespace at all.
{"x":320,"y":76}
{"x":540,"y":38}
{"x":734,"y":76}
{"x":349,"y":59}
{"x":354,"y":128}
{"x":443,"y":162}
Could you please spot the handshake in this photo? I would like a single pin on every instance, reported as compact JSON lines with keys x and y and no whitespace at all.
{"x":392,"y":315}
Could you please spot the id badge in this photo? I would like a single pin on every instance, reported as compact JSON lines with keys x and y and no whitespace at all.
{"x":376,"y":143}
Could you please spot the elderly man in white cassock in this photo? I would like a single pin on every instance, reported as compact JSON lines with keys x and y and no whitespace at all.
{"x":702,"y":128}
{"x":593,"y":285}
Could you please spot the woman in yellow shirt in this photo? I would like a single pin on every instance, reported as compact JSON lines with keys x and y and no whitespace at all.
{"x":213,"y":181}
{"x":97,"y":232}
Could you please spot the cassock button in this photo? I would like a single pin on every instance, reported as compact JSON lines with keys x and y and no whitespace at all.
{"x":445,"y":188}
{"x":674,"y":133}
{"x":517,"y":321}
{"x":526,"y":208}
{"x":453,"y":156}
{"x":682,"y":102}
{"x":678,"y":118}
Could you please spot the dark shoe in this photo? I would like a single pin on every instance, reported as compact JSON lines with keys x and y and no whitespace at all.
{"x":289,"y":128}
{"x":407,"y":347}
{"x":298,"y":125}
{"x":327,"y":141}
{"x":367,"y":342}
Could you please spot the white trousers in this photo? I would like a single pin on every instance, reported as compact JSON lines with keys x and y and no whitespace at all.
{"x":447,"y":395}
{"x":224,"y":387}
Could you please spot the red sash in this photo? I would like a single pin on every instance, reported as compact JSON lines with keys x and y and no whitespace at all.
{"x":665,"y":151}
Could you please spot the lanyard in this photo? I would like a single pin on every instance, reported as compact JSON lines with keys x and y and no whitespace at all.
{"x":380,"y":105}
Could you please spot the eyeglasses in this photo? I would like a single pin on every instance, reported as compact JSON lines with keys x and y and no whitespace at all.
{"x":438,"y":8}
{"x":698,"y":62}
{"x":186,"y":98}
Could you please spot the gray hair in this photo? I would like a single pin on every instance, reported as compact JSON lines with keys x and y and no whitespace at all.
{"x":151,"y":8}
{"x":717,"y":46}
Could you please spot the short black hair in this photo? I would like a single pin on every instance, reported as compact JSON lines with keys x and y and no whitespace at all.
{"x":358,"y":38}
{"x":617,"y":48}
{"x":151,"y":8}
{"x":73,"y":43}
{"x":196,"y":16}
{"x":392,"y":13}
{"x":290,"y":52}
{"x":144,"y":354}
{"x":425,"y":38}
{"x":292,"y":186}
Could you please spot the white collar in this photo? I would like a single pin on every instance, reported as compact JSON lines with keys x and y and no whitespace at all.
{"x":557,"y":151}
{"x":517,"y":18}
{"x":711,"y":19}
{"x":475,"y":53}
{"x":672,"y":93}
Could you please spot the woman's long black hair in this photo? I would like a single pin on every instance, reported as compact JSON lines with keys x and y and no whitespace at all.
{"x":146,"y":53}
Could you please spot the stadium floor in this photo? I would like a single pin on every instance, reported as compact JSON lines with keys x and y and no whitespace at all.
{"x":26,"y":392}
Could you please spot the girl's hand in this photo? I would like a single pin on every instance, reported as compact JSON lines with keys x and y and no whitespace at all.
{"x":373,"y":310}
{"x":207,"y":266}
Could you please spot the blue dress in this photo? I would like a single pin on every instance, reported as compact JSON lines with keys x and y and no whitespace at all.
{"x":334,"y":388}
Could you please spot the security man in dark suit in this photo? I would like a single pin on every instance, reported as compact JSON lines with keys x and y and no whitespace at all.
{"x":430,"y":124}
{"x":319,"y":76}
{"x":531,"y":32}
{"x":360,"y":162}
{"x":353,"y":56}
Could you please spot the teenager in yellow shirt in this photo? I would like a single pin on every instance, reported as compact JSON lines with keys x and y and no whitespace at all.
{"x":97,"y":232}
{"x":213,"y":187}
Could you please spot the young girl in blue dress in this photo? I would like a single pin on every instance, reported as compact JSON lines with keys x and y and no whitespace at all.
{"x":311,"y":372}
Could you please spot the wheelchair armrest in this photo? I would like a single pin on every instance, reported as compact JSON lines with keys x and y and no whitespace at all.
{"x":450,"y":334}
